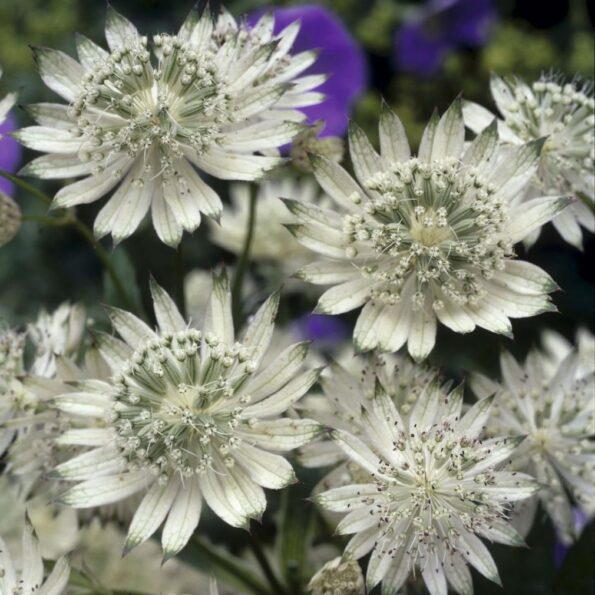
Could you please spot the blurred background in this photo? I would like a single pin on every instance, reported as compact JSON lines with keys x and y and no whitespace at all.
{"x":415,"y":55}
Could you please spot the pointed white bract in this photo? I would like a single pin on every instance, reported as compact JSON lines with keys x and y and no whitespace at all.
{"x":58,"y":333}
{"x":28,"y":577}
{"x":339,"y":575}
{"x":6,"y":104}
{"x":193,"y":418}
{"x":149,"y":120}
{"x":427,"y":239}
{"x":346,"y":389}
{"x":271,"y":242}
{"x":554,"y":407}
{"x":563,"y":113}
{"x":435,"y":488}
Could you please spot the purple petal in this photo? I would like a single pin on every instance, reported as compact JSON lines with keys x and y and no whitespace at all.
{"x":340,"y":57}
{"x":10,"y":153}
{"x":440,"y":26}
{"x":325,"y":332}
{"x":561,"y":549}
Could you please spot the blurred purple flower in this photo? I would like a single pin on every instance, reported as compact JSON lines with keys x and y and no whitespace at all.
{"x":561,"y":549}
{"x":440,"y":26}
{"x":340,"y":57}
{"x":10,"y":153}
{"x":325,"y":332}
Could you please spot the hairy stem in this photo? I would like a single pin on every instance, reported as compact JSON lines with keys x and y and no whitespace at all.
{"x":240,"y":273}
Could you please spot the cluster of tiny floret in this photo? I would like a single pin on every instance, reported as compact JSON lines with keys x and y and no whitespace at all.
{"x":439,"y":221}
{"x":434,"y":463}
{"x":179,"y":101}
{"x":566,"y":114}
{"x":172,"y":410}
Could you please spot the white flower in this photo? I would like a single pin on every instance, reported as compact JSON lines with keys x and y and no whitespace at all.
{"x":556,"y":348}
{"x":563,"y":112}
{"x":556,"y":411}
{"x":6,"y":104}
{"x":270,"y":241}
{"x":416,"y":240}
{"x":434,"y":490}
{"x":29,"y":579}
{"x":58,"y":333}
{"x":346,"y":389}
{"x":99,"y":555}
{"x":192,"y":415}
{"x":338,"y":577}
{"x":10,"y":219}
{"x":143,"y":119}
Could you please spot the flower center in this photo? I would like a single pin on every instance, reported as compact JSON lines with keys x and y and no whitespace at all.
{"x":128,"y":104}
{"x":440,"y":221}
{"x":176,"y":407}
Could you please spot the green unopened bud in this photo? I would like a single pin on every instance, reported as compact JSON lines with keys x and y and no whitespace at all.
{"x":10,"y":219}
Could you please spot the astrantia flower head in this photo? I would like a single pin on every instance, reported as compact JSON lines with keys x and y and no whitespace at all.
{"x":191,"y":415}
{"x":345,"y":392}
{"x":145,"y":117}
{"x":10,"y":150}
{"x":434,"y":490}
{"x":29,"y":579}
{"x":564,"y":112}
{"x":557,"y":414}
{"x":416,"y":240}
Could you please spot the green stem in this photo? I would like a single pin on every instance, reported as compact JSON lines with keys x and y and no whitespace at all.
{"x":238,"y":281}
{"x":265,"y":566}
{"x":201,"y":554}
{"x":105,"y":260}
{"x":26,"y":186}
{"x":70,"y":218}
{"x":179,"y":271}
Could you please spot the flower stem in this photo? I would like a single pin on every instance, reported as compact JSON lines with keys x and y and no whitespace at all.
{"x":204,"y":556}
{"x":179,"y":280}
{"x":26,"y":186}
{"x":238,"y":281}
{"x":70,"y":218}
{"x":265,"y":566}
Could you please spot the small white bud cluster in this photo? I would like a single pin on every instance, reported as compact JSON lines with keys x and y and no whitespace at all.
{"x":10,"y":218}
{"x":341,"y":576}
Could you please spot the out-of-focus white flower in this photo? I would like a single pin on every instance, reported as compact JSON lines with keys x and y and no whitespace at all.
{"x":435,"y":487}
{"x":556,"y":412}
{"x":338,"y":577}
{"x":271,"y":242}
{"x":346,"y":389}
{"x":10,"y":218}
{"x":99,"y":555}
{"x":564,"y":112}
{"x":556,"y":348}
{"x":426,"y":239}
{"x":6,"y":104}
{"x":56,"y":333}
{"x":192,"y":415}
{"x":29,"y":578}
{"x":144,"y":119}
